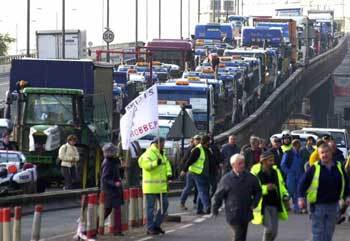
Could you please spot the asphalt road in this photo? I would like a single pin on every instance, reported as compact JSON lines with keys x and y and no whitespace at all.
{"x":60,"y":226}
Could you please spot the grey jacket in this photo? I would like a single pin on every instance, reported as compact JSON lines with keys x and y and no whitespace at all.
{"x":241,"y":195}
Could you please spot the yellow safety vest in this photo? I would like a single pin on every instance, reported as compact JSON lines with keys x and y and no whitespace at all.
{"x":198,"y":166}
{"x":286,"y":148}
{"x":258,"y":215}
{"x":154,"y":176}
{"x":311,"y":193}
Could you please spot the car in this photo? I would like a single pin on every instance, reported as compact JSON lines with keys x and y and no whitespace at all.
{"x":16,"y":175}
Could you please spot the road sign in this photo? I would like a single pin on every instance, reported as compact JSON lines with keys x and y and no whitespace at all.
{"x":183,"y":127}
{"x":108,"y":36}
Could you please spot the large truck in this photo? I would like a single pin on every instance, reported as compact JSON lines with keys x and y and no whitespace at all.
{"x":49,"y":44}
{"x":51,"y":99}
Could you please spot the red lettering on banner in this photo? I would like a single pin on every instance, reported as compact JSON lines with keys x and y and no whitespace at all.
{"x":140,"y":130}
{"x":151,"y":127}
{"x":145,"y":128}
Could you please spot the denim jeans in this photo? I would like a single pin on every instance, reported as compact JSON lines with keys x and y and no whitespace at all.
{"x":323,"y":217}
{"x":155,"y":221}
{"x":190,"y":184}
{"x":202,"y":185}
{"x":270,"y":223}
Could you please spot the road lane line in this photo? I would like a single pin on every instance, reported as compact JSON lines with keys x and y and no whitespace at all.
{"x":186,"y":226}
{"x":143,"y":239}
{"x":199,"y":220}
{"x":170,"y":231}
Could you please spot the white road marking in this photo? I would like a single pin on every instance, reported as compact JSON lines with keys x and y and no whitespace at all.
{"x":199,"y":220}
{"x":178,"y":214}
{"x":170,"y":231}
{"x":145,"y":238}
{"x":186,"y":226}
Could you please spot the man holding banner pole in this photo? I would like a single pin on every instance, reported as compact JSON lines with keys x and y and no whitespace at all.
{"x":140,"y":119}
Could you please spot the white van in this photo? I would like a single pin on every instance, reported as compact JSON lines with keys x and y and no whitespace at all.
{"x":340,"y":136}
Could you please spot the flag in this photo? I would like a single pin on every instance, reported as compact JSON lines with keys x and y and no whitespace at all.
{"x":140,"y":118}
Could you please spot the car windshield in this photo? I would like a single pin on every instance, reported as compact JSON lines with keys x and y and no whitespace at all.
{"x":9,"y":157}
{"x":339,"y":138}
{"x":49,"y":109}
{"x":163,"y":132}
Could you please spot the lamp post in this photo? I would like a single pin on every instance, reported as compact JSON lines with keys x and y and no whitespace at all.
{"x":28,"y":28}
{"x":63,"y":29}
{"x":108,"y":55}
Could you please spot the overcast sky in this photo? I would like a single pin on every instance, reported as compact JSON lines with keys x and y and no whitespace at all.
{"x":90,"y":15}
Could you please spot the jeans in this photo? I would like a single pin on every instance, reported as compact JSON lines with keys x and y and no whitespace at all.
{"x":323,"y":217}
{"x":202,"y":185}
{"x":190,"y":184}
{"x":270,"y":223}
{"x":154,"y":222}
{"x":239,"y":232}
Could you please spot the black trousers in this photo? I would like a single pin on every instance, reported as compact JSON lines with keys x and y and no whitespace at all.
{"x":239,"y":231}
{"x":70,"y":176}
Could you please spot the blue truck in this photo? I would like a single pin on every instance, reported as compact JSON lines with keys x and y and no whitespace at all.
{"x":51,"y":99}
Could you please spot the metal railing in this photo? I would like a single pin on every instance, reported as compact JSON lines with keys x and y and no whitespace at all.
{"x":7,"y":59}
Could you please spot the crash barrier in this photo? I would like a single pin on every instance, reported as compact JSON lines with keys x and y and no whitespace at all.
{"x":269,"y":117}
{"x":133,"y":207}
{"x":125,"y":210}
{"x":91,"y":224}
{"x":37,"y":223}
{"x":16,"y":233}
{"x":6,"y":234}
{"x":6,"y":224}
{"x":101,"y":213}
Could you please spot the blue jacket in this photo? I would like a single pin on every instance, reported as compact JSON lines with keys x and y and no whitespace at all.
{"x":293,"y":167}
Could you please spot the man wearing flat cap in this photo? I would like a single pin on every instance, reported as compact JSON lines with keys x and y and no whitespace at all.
{"x":155,"y":172}
{"x":274,"y":195}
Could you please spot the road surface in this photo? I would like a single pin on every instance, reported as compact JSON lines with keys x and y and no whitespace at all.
{"x":60,"y":226}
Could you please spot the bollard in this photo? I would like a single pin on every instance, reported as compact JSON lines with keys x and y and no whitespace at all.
{"x":140,"y":206}
{"x":81,"y":230}
{"x":91,"y":229}
{"x":16,"y":232}
{"x":112,"y":222}
{"x":36,"y":223}
{"x":0,"y":224}
{"x":133,"y":206}
{"x":125,"y":210}
{"x":101,"y":214}
{"x":6,"y":224}
{"x":144,"y":208}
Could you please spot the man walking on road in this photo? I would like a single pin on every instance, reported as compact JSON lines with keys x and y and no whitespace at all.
{"x":277,"y":150}
{"x":227,"y":151}
{"x":323,"y":185}
{"x":156,"y":170}
{"x":190,"y":184}
{"x":198,"y":166}
{"x":252,"y":153}
{"x":272,"y":204}
{"x":241,"y":192}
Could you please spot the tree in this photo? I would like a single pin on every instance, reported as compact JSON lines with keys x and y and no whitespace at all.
{"x":5,"y":41}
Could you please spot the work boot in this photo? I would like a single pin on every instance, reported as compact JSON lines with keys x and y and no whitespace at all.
{"x":152,"y":232}
{"x":183,"y":207}
{"x":160,"y":230}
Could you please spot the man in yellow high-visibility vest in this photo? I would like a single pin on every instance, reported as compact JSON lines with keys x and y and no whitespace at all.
{"x":156,"y":170}
{"x":198,"y":166}
{"x":323,"y":185}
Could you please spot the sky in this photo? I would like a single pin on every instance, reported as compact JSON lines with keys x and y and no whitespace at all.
{"x":90,"y":15}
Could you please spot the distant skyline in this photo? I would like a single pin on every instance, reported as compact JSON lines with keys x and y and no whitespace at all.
{"x":90,"y":15}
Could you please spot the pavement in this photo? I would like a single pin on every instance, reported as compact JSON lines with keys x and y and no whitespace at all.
{"x":60,"y":226}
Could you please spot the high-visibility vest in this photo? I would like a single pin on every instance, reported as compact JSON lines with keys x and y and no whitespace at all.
{"x":311,"y":193}
{"x":258,"y":214}
{"x":154,"y":176}
{"x":198,"y":166}
{"x":286,"y":148}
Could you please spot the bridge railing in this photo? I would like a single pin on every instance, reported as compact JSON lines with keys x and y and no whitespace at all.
{"x":7,"y":59}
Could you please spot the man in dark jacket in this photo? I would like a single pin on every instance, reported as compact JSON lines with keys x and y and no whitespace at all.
{"x":336,"y":153}
{"x":198,"y":166}
{"x":6,"y":144}
{"x":306,"y":151}
{"x":227,"y":151}
{"x":241,"y":192}
{"x":323,"y":185}
{"x":277,"y":150}
{"x":252,"y":153}
{"x":215,"y":162}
